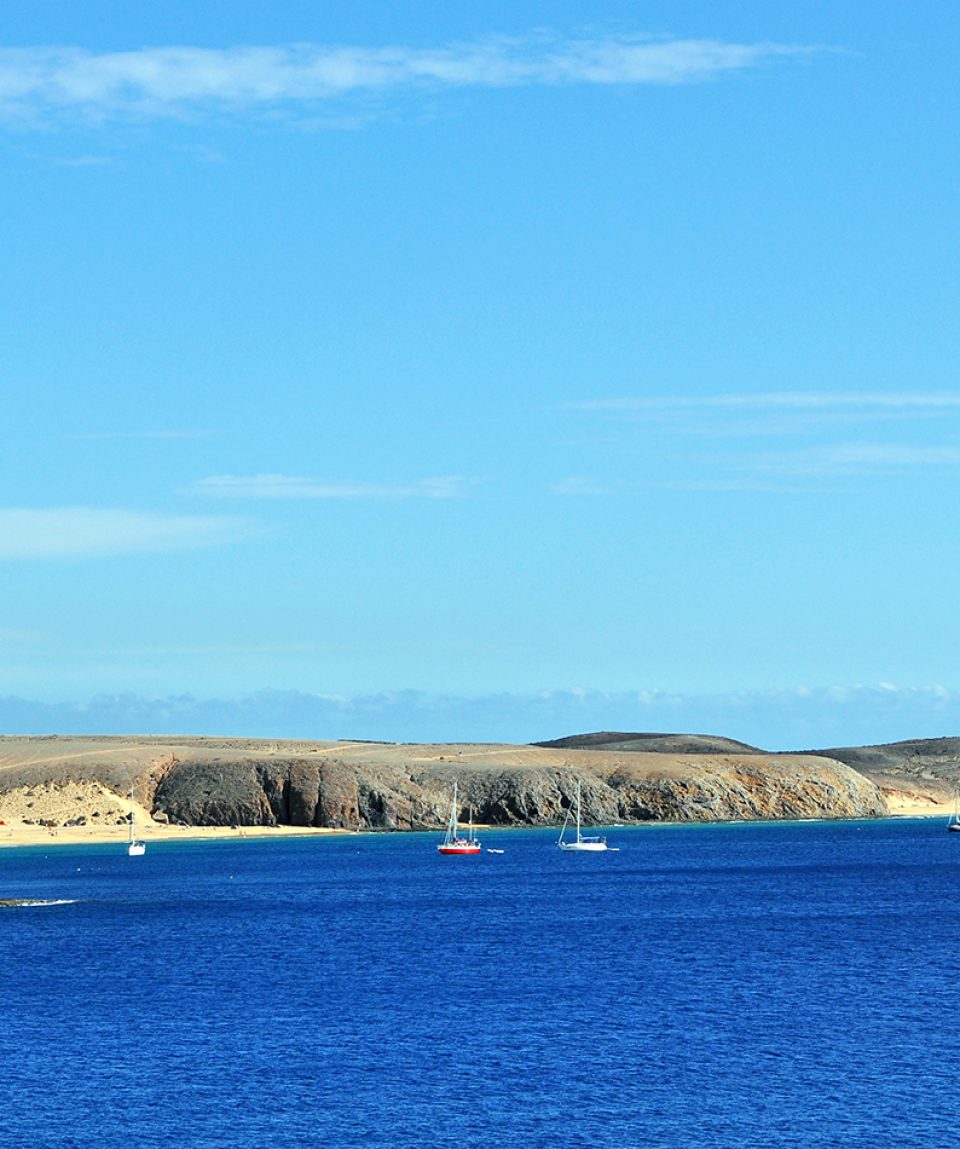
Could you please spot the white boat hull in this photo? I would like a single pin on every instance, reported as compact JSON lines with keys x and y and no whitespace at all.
{"x":586,"y":843}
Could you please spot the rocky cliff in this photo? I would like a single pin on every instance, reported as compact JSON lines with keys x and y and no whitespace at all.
{"x":409,"y":788}
{"x":624,"y":778}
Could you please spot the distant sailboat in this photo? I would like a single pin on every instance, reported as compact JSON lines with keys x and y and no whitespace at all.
{"x":452,"y":842}
{"x":135,"y":847}
{"x":587,"y":842}
{"x":953,"y":822}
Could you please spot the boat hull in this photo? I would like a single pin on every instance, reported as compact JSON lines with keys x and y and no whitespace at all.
{"x":584,"y":847}
{"x":466,"y":848}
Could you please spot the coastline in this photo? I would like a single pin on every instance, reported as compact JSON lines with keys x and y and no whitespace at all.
{"x":85,"y":811}
{"x":87,"y":789}
{"x":901,"y":805}
{"x":11,"y":836}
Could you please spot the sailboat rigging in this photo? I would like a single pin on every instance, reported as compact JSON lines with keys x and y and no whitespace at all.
{"x":135,"y":847}
{"x":587,"y":842}
{"x":953,"y":823}
{"x":452,"y":842}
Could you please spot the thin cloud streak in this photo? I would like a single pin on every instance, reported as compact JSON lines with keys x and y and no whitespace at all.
{"x":163,"y":435}
{"x":584,"y":485}
{"x":294,"y":487}
{"x":46,"y":82}
{"x":821,"y":430}
{"x":855,"y":459}
{"x":85,"y":162}
{"x":87,"y":532}
{"x":777,"y":400}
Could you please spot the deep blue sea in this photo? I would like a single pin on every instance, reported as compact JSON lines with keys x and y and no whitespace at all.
{"x":705,"y":986}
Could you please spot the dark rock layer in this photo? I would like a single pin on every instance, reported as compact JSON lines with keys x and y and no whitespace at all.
{"x":333,"y":793}
{"x":652,"y":743}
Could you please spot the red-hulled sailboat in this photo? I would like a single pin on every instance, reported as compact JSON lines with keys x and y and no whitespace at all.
{"x":452,"y":842}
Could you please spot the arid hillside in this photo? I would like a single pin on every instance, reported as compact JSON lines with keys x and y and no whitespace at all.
{"x":625,"y":778}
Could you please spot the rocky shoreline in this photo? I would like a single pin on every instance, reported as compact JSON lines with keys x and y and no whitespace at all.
{"x":59,"y":782}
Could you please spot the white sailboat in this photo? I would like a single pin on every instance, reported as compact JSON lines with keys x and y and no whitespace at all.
{"x":135,"y":846}
{"x":953,"y":823}
{"x":591,"y":842}
{"x":452,"y":842}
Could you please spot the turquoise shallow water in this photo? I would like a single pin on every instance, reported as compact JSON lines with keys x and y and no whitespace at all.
{"x":710,"y":986}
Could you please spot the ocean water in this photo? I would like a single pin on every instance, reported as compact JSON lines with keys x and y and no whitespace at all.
{"x":709,"y":986}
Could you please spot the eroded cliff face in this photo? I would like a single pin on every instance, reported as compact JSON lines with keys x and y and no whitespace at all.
{"x":758,"y":787}
{"x":252,"y":792}
{"x":635,"y":787}
{"x":625,"y":778}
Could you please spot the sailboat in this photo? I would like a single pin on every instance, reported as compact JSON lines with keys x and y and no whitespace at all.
{"x":452,"y":842}
{"x":135,"y":847}
{"x":592,"y":842}
{"x":953,"y":823}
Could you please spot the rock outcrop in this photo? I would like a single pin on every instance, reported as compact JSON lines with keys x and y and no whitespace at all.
{"x":653,"y":743}
{"x":624,"y":778}
{"x":615,"y":788}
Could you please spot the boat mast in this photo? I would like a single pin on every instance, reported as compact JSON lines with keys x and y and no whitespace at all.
{"x":566,"y":819}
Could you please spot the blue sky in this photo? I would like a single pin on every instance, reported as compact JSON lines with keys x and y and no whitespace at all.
{"x":490,"y":352}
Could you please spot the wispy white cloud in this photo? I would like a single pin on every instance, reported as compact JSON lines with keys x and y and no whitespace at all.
{"x":779,"y":400}
{"x":772,"y":484}
{"x":584,"y":485}
{"x":48,"y":82}
{"x":293,"y":487}
{"x":87,"y":532}
{"x":853,"y":459}
{"x":768,"y":478}
{"x":98,"y":435}
{"x":825,"y":434}
{"x":85,"y":161}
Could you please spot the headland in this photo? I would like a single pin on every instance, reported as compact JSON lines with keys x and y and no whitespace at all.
{"x":60,"y":789}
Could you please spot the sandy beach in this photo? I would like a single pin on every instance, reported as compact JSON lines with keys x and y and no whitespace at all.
{"x":916,"y":806}
{"x":100,"y":815}
{"x":89,"y":836}
{"x":155,"y":832}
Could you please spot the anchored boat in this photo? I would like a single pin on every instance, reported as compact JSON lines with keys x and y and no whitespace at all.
{"x":452,"y":842}
{"x":135,"y":847}
{"x":591,"y":842}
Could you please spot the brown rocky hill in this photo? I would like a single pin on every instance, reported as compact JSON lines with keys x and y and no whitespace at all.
{"x":654,"y":743}
{"x":924,"y":767}
{"x":627,"y":778}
